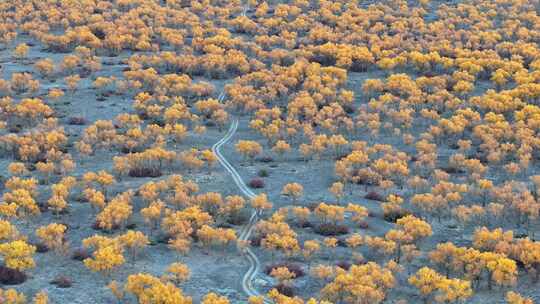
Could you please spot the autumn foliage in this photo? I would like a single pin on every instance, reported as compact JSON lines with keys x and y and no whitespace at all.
{"x":396,"y":144}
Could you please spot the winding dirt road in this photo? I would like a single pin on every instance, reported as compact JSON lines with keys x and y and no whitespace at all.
{"x":246,"y":231}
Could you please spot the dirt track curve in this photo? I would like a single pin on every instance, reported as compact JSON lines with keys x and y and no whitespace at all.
{"x":246,"y":231}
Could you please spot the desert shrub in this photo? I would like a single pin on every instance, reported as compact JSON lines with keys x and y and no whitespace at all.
{"x":285,"y":290}
{"x":520,"y":235}
{"x":77,"y":121}
{"x":96,"y":226}
{"x":127,"y":150}
{"x":145,"y":172}
{"x":164,"y":238}
{"x":292,"y":267}
{"x":80,"y":254}
{"x":40,"y":247}
{"x":148,"y":163}
{"x":266,"y":159}
{"x":225,"y":225}
{"x":341,"y":155}
{"x":395,"y":215}
{"x":454,"y":226}
{"x":238,"y":218}
{"x":23,"y":82}
{"x":10,"y":276}
{"x":263,"y":173}
{"x":343,"y":265}
{"x":306,"y":224}
{"x":255,"y":241}
{"x":45,"y":67}
{"x":363,"y":225}
{"x":62,"y":282}
{"x":99,"y":33}
{"x":15,"y":128}
{"x":349,"y":109}
{"x":312,"y":206}
{"x":342,"y":242}
{"x":452,"y":170}
{"x":330,"y":229}
{"x":374,"y":196}
{"x":256,"y":183}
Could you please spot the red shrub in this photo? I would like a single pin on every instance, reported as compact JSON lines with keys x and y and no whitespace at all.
{"x":374,"y":196}
{"x":256,"y":183}
{"x":9,"y":276}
